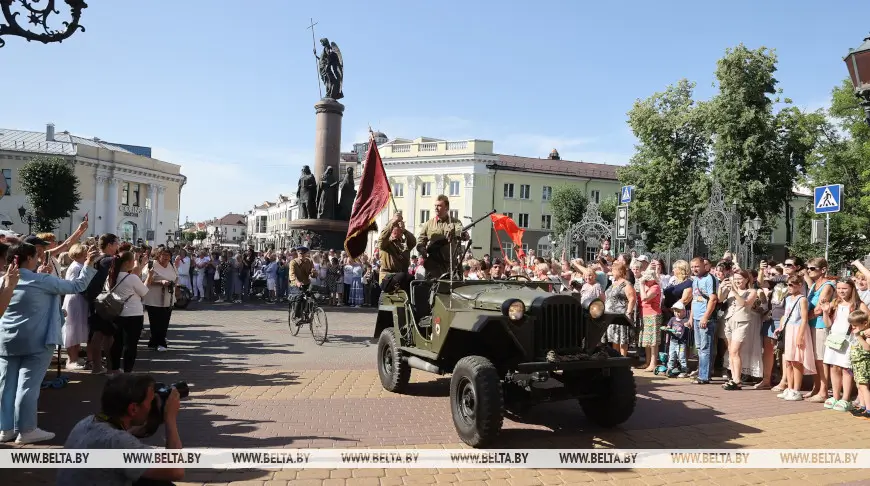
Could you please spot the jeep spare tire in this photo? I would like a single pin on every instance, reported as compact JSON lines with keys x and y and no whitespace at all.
{"x":476,"y":400}
{"x":616,"y":396}
{"x":394,"y":372}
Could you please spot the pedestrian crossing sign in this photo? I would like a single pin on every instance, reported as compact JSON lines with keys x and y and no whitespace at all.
{"x":828,"y":199}
{"x":626,"y":194}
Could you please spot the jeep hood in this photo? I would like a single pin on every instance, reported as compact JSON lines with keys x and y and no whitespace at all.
{"x":491,"y":297}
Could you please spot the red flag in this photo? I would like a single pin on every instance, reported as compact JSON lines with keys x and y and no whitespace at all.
{"x":504,"y":223}
{"x":372,"y":197}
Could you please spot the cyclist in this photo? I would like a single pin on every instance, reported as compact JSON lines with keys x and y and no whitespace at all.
{"x":301,"y":270}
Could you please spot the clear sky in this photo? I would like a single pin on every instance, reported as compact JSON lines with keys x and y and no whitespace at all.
{"x":227,"y":88}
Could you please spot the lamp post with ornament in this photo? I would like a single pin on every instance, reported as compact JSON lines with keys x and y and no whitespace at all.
{"x":858,"y":64}
{"x":37,"y":16}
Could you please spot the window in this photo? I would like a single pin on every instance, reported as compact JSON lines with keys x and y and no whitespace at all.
{"x":125,"y":194}
{"x":546,"y":221}
{"x":595,"y":196}
{"x":510,"y":250}
{"x":136,"y":192}
{"x":525,"y":191}
{"x":509,"y":191}
{"x":7,"y":174}
{"x":509,"y":215}
{"x":426,"y":189}
{"x":546,"y":193}
{"x":424,"y":215}
{"x":591,"y":252}
{"x":523,"y":220}
{"x":454,"y":188}
{"x":398,"y":190}
{"x":454,"y":213}
{"x":544,"y":250}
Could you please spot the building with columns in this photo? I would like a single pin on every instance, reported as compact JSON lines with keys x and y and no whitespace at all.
{"x":134,"y":196}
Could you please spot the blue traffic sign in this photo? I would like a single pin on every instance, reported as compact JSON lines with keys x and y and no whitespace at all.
{"x":626,"y":194}
{"x":828,"y":199}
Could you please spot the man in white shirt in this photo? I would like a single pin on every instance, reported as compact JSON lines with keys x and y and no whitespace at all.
{"x":182,"y":265}
{"x":201,"y":263}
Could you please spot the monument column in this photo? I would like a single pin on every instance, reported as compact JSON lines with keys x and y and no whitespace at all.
{"x":158,"y":208}
{"x":439,"y":184}
{"x":112,"y":209}
{"x":96,"y":221}
{"x":327,"y":137}
{"x":411,"y":205}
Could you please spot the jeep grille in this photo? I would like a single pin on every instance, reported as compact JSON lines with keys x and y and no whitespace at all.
{"x":560,"y":326}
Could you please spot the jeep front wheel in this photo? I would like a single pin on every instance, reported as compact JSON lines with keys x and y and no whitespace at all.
{"x":394,"y":373}
{"x":616,"y":396}
{"x":476,"y":400}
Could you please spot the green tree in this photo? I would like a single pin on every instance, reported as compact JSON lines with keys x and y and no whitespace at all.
{"x":758,"y":152}
{"x":568,"y":203}
{"x":201,"y":235}
{"x":608,"y":208}
{"x":188,"y":236}
{"x":842,"y":157}
{"x":669,"y":167}
{"x":51,"y":186}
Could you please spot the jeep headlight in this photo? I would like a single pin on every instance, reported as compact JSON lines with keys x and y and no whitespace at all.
{"x":595,"y":308}
{"x":514,"y":309}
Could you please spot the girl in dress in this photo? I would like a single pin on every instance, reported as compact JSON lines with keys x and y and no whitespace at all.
{"x":838,"y":344}
{"x":799,"y":357}
{"x":620,"y":298}
{"x":75,"y":329}
{"x":740,"y":329}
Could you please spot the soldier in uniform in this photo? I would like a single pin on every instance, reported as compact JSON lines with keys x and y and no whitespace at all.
{"x":395,"y":245}
{"x":301,"y":270}
{"x":436,"y":238}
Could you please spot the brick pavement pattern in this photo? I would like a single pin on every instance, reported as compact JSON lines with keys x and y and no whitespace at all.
{"x":254,"y":385}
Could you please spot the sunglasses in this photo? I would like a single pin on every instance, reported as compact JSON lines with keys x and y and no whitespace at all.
{"x":812,"y":269}
{"x":789,"y":265}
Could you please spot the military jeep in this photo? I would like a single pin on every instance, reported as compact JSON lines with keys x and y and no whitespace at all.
{"x":509,"y":345}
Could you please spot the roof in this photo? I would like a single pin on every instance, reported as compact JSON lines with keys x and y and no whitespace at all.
{"x":233,"y":219}
{"x":64,"y":143}
{"x":558,"y":167}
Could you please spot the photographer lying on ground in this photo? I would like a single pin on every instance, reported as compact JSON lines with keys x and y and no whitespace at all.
{"x":126,"y":403}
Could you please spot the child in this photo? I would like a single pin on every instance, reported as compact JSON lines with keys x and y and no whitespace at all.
{"x":678,"y":335}
{"x":799,"y":357}
{"x":860,"y":357}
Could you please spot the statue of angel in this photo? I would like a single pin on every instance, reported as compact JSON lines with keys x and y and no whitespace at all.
{"x":331,"y":67}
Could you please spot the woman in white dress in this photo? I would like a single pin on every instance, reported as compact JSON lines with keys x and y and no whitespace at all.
{"x":75,"y":329}
{"x":838,"y":344}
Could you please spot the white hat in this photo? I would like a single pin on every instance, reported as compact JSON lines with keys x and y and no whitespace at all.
{"x":678,"y":305}
{"x":642,"y":258}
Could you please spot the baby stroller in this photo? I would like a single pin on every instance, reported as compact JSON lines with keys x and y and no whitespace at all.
{"x":258,"y":286}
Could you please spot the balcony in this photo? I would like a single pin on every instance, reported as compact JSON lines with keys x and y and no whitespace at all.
{"x":433,"y":149}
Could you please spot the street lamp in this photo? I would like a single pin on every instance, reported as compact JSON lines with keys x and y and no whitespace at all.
{"x":26,"y":216}
{"x":858,"y":64}
{"x":39,"y":18}
{"x":751,"y":227}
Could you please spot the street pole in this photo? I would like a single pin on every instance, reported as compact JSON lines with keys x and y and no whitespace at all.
{"x":827,"y":233}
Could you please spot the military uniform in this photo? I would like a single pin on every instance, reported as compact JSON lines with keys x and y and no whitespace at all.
{"x":395,"y":259}
{"x":434,"y":230}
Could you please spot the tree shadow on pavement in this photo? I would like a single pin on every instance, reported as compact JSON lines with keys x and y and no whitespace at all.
{"x":217,"y":365}
{"x":667,"y":416}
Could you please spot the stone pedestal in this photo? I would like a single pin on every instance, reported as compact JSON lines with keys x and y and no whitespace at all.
{"x":327,"y":137}
{"x":332,"y":232}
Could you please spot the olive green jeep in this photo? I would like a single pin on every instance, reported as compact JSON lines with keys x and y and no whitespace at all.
{"x":509,"y":345}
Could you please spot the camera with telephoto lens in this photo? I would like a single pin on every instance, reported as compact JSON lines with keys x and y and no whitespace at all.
{"x":158,"y":407}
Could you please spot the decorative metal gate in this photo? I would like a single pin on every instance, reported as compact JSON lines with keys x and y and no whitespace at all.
{"x":582,"y":237}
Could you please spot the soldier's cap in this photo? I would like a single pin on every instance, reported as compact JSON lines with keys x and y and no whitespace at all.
{"x":35,"y":241}
{"x":301,"y":249}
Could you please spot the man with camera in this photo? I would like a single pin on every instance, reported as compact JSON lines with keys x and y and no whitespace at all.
{"x":127,"y":403}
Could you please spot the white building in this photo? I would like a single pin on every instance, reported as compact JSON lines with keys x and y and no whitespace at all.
{"x":268,"y":223}
{"x":123,"y":191}
{"x":229,"y":231}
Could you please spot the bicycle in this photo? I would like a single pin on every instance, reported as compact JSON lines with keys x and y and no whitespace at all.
{"x":312,"y":314}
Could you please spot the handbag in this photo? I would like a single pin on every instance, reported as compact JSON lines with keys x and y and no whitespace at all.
{"x":108,"y":306}
{"x":836,"y":341}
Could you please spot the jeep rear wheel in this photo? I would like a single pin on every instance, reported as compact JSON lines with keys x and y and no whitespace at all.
{"x":476,"y":400}
{"x":616,"y":396}
{"x":394,"y":373}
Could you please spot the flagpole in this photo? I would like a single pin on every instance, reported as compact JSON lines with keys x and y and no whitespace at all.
{"x":374,"y":146}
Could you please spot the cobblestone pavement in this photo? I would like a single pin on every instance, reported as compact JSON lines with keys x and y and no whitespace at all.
{"x":254,"y":385}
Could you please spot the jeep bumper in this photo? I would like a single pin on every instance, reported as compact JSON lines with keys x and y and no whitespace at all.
{"x":613,"y":362}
